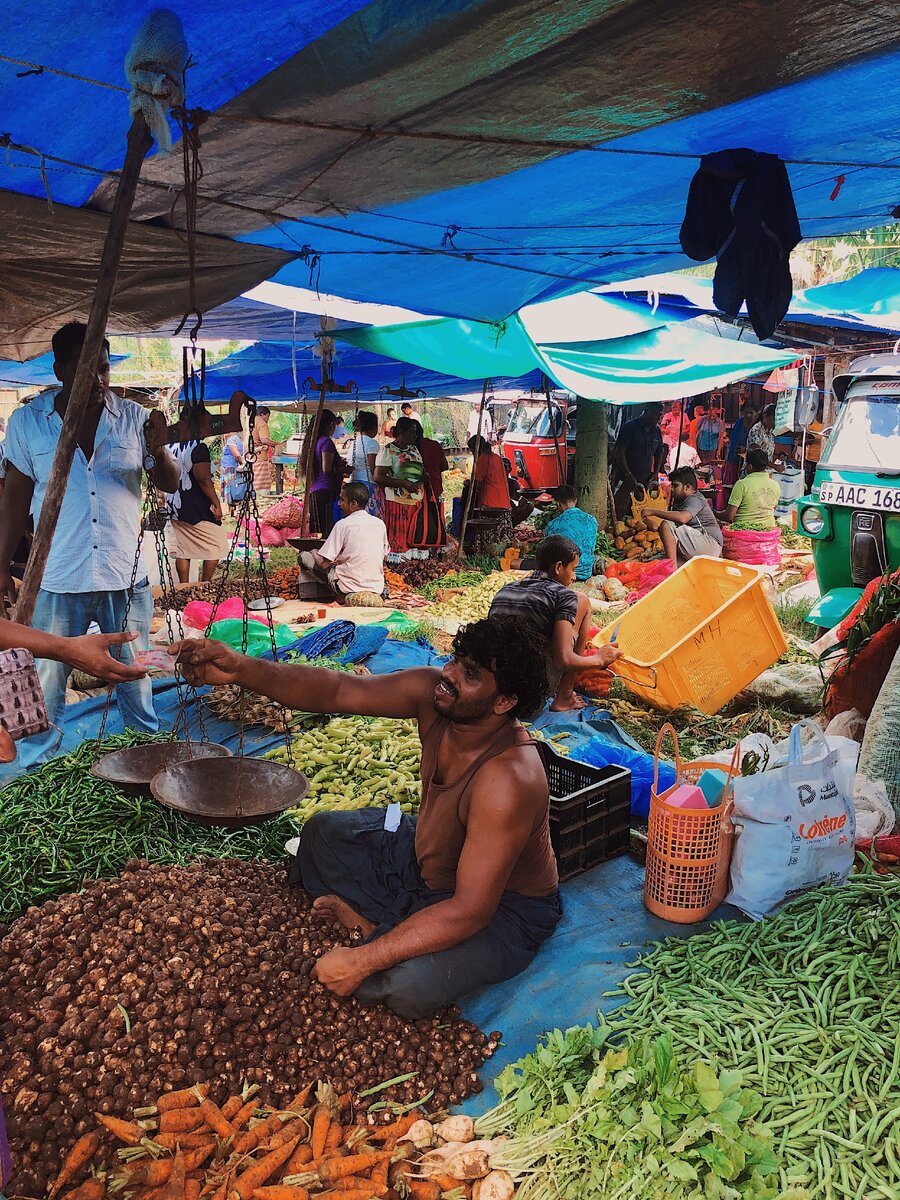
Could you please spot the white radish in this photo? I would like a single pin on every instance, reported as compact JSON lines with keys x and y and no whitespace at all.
{"x":421,"y":1134}
{"x":498,"y":1185}
{"x":456,"y":1129}
{"x":469,"y":1163}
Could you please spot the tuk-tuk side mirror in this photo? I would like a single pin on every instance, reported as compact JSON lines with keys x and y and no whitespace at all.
{"x":814,"y":520}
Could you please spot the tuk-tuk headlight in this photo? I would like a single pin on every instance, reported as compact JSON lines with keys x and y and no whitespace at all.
{"x":812,"y":521}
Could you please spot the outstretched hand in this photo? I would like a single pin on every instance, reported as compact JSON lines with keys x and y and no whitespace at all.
{"x":202,"y":660}
{"x":92,"y":653}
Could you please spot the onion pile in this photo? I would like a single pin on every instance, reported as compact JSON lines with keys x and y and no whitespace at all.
{"x":166,"y":976}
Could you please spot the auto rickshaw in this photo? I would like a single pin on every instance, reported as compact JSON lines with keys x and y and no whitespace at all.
{"x":853,"y":515}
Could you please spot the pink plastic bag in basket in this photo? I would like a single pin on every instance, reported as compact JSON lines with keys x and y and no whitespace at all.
{"x":198,"y":613}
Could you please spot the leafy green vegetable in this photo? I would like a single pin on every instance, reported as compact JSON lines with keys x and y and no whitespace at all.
{"x":769,"y":1052}
{"x":638,"y":1123}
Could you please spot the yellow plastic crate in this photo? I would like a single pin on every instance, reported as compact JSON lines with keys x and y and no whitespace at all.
{"x":699,"y":637}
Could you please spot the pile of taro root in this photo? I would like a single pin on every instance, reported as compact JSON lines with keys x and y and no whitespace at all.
{"x":169,"y":976}
{"x":248,"y":589}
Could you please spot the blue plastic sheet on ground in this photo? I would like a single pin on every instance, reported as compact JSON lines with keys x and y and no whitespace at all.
{"x":401,"y":656}
{"x":604,"y":927}
{"x":595,"y":739}
{"x":340,"y":640}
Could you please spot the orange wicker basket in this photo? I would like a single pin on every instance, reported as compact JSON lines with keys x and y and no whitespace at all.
{"x":688,"y":850}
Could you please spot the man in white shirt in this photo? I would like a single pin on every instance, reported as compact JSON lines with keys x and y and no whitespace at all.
{"x":352,"y":557}
{"x":481,"y":423}
{"x":88,"y":573}
{"x":682,"y":454}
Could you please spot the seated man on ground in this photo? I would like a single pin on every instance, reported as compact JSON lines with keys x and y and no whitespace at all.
{"x":352,"y":557}
{"x":754,"y":498}
{"x":682,"y":454}
{"x":465,"y":895}
{"x":546,"y":606}
{"x":689,"y":527}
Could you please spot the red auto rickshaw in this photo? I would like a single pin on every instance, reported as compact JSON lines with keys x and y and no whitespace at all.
{"x":540,"y":441}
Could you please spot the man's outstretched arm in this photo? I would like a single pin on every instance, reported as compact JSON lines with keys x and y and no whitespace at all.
{"x":309,"y":689}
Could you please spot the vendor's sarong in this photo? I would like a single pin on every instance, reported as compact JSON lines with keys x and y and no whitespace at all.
{"x":352,"y":855}
{"x":205,"y":540}
{"x":692,"y":542}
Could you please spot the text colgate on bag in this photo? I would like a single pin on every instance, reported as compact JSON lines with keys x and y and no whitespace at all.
{"x":795,"y":825}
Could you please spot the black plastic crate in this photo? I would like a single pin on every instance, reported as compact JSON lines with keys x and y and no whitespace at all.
{"x":590,"y":812}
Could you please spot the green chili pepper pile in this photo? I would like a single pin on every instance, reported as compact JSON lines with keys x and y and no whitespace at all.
{"x":59,"y":826}
{"x":356,"y":762}
{"x":800,"y":1012}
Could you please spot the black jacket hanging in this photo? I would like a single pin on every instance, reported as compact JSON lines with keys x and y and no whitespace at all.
{"x":740,"y":210}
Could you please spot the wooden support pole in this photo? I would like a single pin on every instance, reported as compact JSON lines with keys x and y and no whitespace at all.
{"x":592,"y":459}
{"x":139,"y":142}
{"x":467,"y":507}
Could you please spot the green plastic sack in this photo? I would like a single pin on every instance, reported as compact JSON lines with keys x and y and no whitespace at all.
{"x":397,"y":622}
{"x":259,"y":639}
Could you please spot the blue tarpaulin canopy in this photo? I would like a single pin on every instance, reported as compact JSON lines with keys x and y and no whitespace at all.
{"x":867,"y":302}
{"x":266,"y":371}
{"x":460,"y":157}
{"x":37,"y":373}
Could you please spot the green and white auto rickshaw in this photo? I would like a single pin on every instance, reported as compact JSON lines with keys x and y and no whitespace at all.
{"x":853,"y":514}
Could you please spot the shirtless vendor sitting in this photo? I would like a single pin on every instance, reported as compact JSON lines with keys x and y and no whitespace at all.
{"x":465,"y":895}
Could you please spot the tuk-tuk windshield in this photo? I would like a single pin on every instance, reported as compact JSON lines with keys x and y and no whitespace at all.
{"x":532,"y":420}
{"x":865,"y":435}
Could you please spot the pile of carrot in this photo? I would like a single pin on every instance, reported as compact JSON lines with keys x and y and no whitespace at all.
{"x":186,"y":1147}
{"x":283,"y":582}
{"x":395,"y":582}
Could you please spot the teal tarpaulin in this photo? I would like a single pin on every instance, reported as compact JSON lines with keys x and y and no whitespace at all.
{"x":601,"y":349}
{"x":659,"y":365}
{"x":451,"y":346}
{"x":869,"y":300}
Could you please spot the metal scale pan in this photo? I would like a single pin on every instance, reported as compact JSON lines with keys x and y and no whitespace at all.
{"x":231,"y":792}
{"x":133,"y":768}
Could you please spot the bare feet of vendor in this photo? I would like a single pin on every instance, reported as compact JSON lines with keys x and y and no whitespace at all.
{"x":333,"y":908}
{"x":566,"y":701}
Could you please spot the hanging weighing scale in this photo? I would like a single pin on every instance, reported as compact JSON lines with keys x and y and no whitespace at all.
{"x":198,"y":778}
{"x":132,"y":768}
{"x":237,"y":790}
{"x":230,"y":792}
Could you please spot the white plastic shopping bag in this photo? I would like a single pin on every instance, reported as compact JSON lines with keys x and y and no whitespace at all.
{"x":795,"y":824}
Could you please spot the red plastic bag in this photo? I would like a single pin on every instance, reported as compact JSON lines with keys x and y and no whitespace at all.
{"x":268,"y":535}
{"x":858,"y":686}
{"x":198,"y":614}
{"x":652,"y":577}
{"x":760,"y":547}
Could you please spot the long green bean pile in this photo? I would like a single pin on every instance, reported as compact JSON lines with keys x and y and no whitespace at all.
{"x":59,"y":826}
{"x":801,"y":1010}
